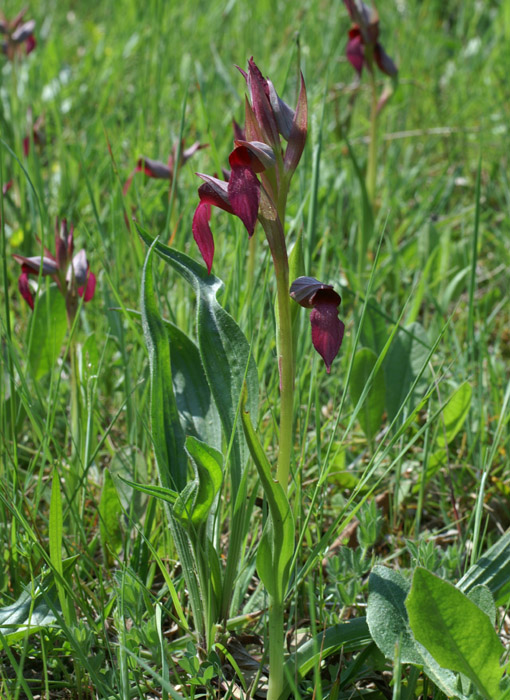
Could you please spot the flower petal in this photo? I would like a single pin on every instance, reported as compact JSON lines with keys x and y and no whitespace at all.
{"x":244,"y":190}
{"x":154,"y":168}
{"x":307,"y":291}
{"x":384,"y":62}
{"x":215,"y":192}
{"x":79,"y":268}
{"x":299,"y":128}
{"x":260,"y":156}
{"x":23,"y":32}
{"x":327,"y":331}
{"x":283,"y":114}
{"x":24,"y":289}
{"x":33,"y":264}
{"x":87,"y":292}
{"x":355,"y":51}
{"x":259,"y":91}
{"x":202,"y":232}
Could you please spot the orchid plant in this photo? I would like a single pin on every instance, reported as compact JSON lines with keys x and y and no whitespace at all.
{"x":74,"y":280}
{"x":262,"y":163}
{"x":70,"y":272}
{"x":18,"y":36}
{"x":163,"y":171}
{"x":364,"y":50}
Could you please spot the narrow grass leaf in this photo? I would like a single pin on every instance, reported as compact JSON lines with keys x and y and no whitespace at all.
{"x":493,"y":570}
{"x":455,"y":631}
{"x":55,"y":540}
{"x":277,"y":544}
{"x":348,"y":636}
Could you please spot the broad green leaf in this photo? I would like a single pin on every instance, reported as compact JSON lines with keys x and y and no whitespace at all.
{"x":224,"y":350}
{"x":405,"y":362}
{"x":197,"y":410}
{"x":455,"y":631}
{"x":48,"y":331}
{"x":372,"y":409}
{"x":110,"y":515}
{"x":388,"y":622}
{"x":277,"y":543}
{"x":228,"y":365}
{"x":481,"y":596}
{"x":167,"y":433}
{"x":374,"y":332}
{"x":348,"y":636}
{"x":30,"y":613}
{"x":493,"y":570}
{"x":33,"y":610}
{"x":455,"y":413}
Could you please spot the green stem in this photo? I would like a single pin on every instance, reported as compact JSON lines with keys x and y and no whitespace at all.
{"x":286,"y":370}
{"x":276,"y":649}
{"x":372,"y":149}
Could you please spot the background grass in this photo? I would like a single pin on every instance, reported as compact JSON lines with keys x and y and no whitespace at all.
{"x":131,"y":77}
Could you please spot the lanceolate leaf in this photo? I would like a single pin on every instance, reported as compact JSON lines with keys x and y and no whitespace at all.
{"x":224,"y":351}
{"x":48,"y":331}
{"x":197,"y":410}
{"x":167,"y":433}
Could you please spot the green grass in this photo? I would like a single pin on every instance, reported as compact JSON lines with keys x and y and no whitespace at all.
{"x":135,"y":78}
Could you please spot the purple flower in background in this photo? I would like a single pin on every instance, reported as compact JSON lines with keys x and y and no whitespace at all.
{"x":71,"y":273}
{"x":159,"y":170}
{"x":327,"y":329}
{"x":17,"y":35}
{"x":363,"y":46}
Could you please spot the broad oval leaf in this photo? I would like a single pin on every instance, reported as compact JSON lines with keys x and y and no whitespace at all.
{"x":457,"y":633}
{"x":371,"y":411}
{"x":48,"y":329}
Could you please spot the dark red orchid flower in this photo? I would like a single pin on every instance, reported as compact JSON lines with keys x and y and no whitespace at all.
{"x":239,"y":196}
{"x":327,"y":329}
{"x":363,"y":46}
{"x":157,"y":169}
{"x":71,"y":273}
{"x":257,"y":151}
{"x":18,"y":34}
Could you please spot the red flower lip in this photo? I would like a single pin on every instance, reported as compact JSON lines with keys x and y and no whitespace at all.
{"x":327,"y":329}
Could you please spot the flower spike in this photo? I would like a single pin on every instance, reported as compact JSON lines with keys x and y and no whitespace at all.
{"x":71,"y":273}
{"x":363,"y":35}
